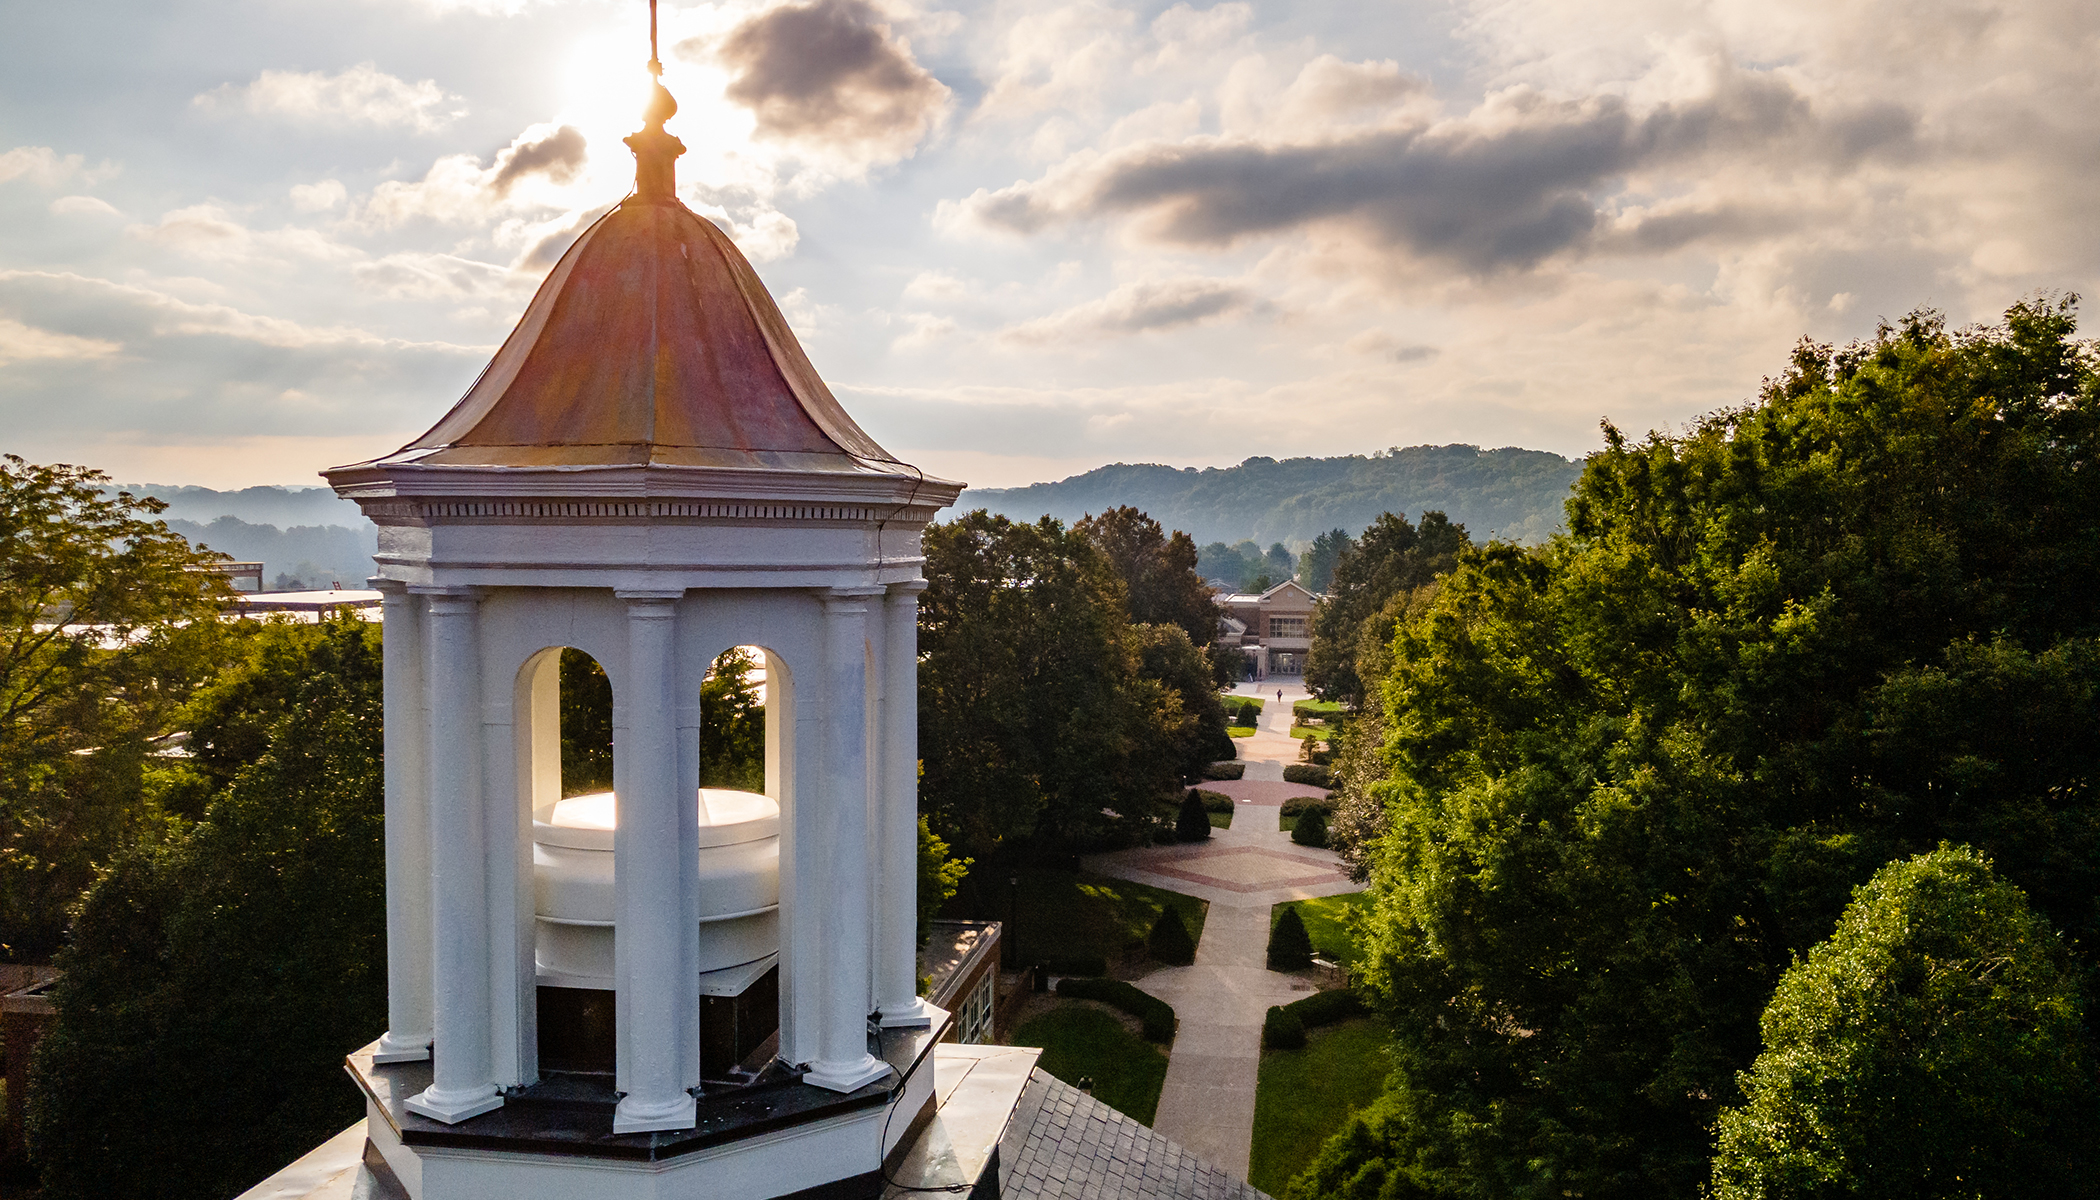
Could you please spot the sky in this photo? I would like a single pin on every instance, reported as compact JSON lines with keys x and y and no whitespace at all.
{"x":244,"y":240}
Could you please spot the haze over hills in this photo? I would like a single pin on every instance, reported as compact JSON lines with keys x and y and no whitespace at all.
{"x":310,"y":536}
{"x":1509,"y":493}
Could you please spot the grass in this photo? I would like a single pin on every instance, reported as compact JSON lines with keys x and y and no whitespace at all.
{"x":1323,"y":921}
{"x":1220,"y":820}
{"x":1317,"y":708}
{"x":1069,"y":914}
{"x":1302,"y":1097}
{"x":1240,"y":730}
{"x":1078,"y":1039}
{"x":1302,"y":730}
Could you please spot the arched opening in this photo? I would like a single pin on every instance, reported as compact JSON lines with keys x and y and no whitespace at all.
{"x":740,"y":857}
{"x":586,"y":725}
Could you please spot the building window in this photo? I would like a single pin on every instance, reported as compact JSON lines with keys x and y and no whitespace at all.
{"x":1286,"y":627}
{"x":975,"y":1021}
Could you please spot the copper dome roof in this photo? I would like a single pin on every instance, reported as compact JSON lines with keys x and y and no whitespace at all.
{"x":652,"y":342}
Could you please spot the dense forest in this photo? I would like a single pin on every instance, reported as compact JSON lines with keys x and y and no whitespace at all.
{"x":1515,"y":495}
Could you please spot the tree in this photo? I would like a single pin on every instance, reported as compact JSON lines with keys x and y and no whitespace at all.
{"x":1933,"y":1045}
{"x":1316,"y":567}
{"x":1193,"y":822}
{"x":586,"y":725}
{"x":1034,"y":716}
{"x":1279,"y":562}
{"x":940,"y":875}
{"x":1391,"y":559}
{"x":1169,"y":940}
{"x":1634,"y":773}
{"x":1311,"y":829}
{"x":1160,"y":583}
{"x":732,"y":725}
{"x":217,"y":976}
{"x":1290,"y":946}
{"x":108,"y":621}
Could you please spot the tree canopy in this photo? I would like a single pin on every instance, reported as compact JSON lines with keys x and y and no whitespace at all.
{"x":107,"y":624}
{"x":1932,"y":1046}
{"x":1388,"y":563}
{"x":1633,"y":774}
{"x":1160,"y":584}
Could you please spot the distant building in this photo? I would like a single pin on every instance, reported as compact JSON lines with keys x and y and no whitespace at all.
{"x":1273,"y":629}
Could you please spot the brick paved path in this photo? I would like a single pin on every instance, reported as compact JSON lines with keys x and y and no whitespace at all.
{"x":1207,"y":1104}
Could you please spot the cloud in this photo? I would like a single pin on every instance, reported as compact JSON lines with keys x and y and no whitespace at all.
{"x":831,"y":74}
{"x":1521,"y":179}
{"x":457,"y":188}
{"x":83,"y":206}
{"x":1137,"y":308}
{"x":208,"y":231}
{"x":411,"y":275}
{"x":45,"y":167}
{"x":318,"y":197}
{"x":362,"y":94}
{"x":20,"y":343}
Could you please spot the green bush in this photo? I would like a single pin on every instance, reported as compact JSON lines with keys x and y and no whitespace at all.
{"x":1328,"y":1007}
{"x":1282,"y":1030}
{"x":1089,"y":965}
{"x":1193,"y":825}
{"x":1155,"y":1014}
{"x":1311,"y":829}
{"x":1225,"y":770}
{"x":1298,"y":806}
{"x":1217,"y":802}
{"x":1310,"y":774}
{"x":1169,"y":941}
{"x":1932,"y":1046}
{"x":1290,"y":948}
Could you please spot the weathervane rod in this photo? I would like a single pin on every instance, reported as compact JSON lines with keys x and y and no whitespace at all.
{"x":656,"y":67}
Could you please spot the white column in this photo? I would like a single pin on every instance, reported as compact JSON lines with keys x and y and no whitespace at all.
{"x":462,"y":1077}
{"x":840,"y":851}
{"x":407,"y":1038}
{"x":896,"y":816}
{"x":656,"y":949}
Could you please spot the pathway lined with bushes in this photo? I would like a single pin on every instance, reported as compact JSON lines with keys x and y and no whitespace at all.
{"x":1207,"y":1103}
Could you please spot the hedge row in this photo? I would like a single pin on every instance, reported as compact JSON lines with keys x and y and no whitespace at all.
{"x":1215,"y":801}
{"x":1311,"y":774}
{"x":1283,"y":1027}
{"x":1155,"y":1014}
{"x":1225,"y":770}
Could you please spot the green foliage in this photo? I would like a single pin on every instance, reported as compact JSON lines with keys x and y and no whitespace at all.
{"x":1328,"y":1007}
{"x":1080,"y":1042}
{"x":1160,"y":584}
{"x":1034,"y":714}
{"x":1311,"y":829}
{"x":940,"y":876}
{"x":1281,"y":1029}
{"x":732,"y":725}
{"x":216,"y":977}
{"x":1302,"y":1096}
{"x":1155,"y":1014}
{"x":108,"y":621}
{"x":1196,"y":732}
{"x":586,"y":725}
{"x":1169,"y":941}
{"x":1932,"y":1046}
{"x":1216,"y":802}
{"x":1373,"y":581}
{"x":1070,"y":922}
{"x":1316,"y":566}
{"x":1193,"y":824}
{"x":1222,"y":771}
{"x":1290,"y":948}
{"x":1332,"y":923}
{"x":1633,"y":774}
{"x":1309,"y":774}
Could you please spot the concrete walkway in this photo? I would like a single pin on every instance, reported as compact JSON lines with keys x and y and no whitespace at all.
{"x":1207,"y":1103}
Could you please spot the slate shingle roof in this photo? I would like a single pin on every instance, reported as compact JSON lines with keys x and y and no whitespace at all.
{"x":1062,"y":1143}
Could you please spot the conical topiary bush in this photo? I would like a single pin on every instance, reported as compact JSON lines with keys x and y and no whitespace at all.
{"x":1290,"y":947}
{"x":1169,"y":941}
{"x":1193,"y":825}
{"x":1311,"y":829}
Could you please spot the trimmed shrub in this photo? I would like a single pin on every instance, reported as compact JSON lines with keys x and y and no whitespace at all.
{"x":1290,"y":947}
{"x":1169,"y":940}
{"x":1325,"y":1008}
{"x":1155,"y":1014}
{"x":1217,"y":802}
{"x":1298,"y":806}
{"x":1310,"y":774}
{"x":1225,"y":770}
{"x":1311,"y":830}
{"x":1282,"y":1030}
{"x":1193,"y":825}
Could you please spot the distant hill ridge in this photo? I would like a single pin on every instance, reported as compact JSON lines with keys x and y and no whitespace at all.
{"x":1510,"y":493}
{"x":309,"y":535}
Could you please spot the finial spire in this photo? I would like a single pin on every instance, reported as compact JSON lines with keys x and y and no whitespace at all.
{"x":656,"y":152}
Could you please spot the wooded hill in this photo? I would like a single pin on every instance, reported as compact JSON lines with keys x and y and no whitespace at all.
{"x":1508,"y":493}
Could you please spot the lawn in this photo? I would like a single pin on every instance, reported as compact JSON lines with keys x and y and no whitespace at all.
{"x":1240,"y":730}
{"x":1323,"y":920}
{"x":1067,"y":915}
{"x":1302,"y":1097}
{"x":1078,"y":1039}
{"x":1302,"y":730}
{"x":1219,"y":820}
{"x":1316,"y":708}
